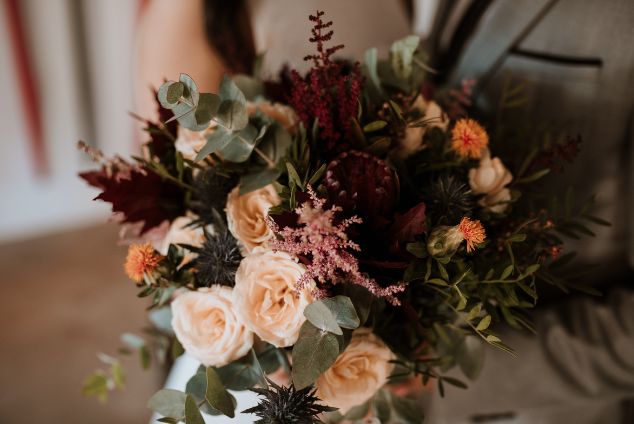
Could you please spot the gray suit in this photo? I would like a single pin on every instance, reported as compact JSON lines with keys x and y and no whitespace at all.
{"x":578,"y":59}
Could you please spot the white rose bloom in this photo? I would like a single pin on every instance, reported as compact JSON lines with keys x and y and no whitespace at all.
{"x":206,"y":324}
{"x":358,"y":373}
{"x":283,"y":114}
{"x":490,"y":178}
{"x":434,"y":117}
{"x":246,"y":216}
{"x":189,"y":143}
{"x":182,"y":232}
{"x":266,"y":299}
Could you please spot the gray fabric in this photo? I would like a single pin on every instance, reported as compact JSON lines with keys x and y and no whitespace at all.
{"x":596,"y":102}
{"x":579,"y":369}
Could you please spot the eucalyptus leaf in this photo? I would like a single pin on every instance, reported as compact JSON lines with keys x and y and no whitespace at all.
{"x":321,"y":317}
{"x":168,"y":402}
{"x":313,"y":353}
{"x":252,"y":88}
{"x":259,"y":179}
{"x":343,"y":310}
{"x":207,"y":107}
{"x":241,"y":145}
{"x":217,"y":395}
{"x":192,"y":413}
{"x":217,"y":140}
{"x":242,"y":374}
{"x":174,"y":92}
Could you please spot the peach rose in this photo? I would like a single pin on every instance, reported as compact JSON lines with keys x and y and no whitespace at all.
{"x":182,"y":232}
{"x":189,"y":142}
{"x":283,"y":114}
{"x":246,"y":215}
{"x":357,"y":374}
{"x":434,"y":116}
{"x":266,"y":299}
{"x":205,"y":323}
{"x":490,"y":179}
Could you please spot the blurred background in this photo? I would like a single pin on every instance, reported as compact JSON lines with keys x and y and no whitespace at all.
{"x":69,"y":72}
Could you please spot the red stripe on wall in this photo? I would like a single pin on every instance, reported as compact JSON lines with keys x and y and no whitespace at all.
{"x":27,"y":86}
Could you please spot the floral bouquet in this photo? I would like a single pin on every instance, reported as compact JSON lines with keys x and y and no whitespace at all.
{"x":334,"y":241}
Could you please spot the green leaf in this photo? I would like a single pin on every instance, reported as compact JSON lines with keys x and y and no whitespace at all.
{"x":517,"y":238}
{"x":192,"y":413}
{"x":161,"y":318}
{"x":533,"y":177}
{"x":232,"y":112}
{"x":96,"y":385}
{"x":507,"y":271}
{"x":531,"y":269}
{"x":474,"y":312}
{"x":293,"y":175}
{"x":241,"y":145}
{"x":251,"y":87}
{"x":256,"y":180}
{"x":437,"y":282}
{"x":242,"y":374}
{"x":232,"y":115}
{"x":314,"y":352}
{"x":361,"y":298}
{"x":343,"y":310}
{"x":118,"y":376}
{"x":217,"y":395}
{"x":321,"y":317}
{"x":454,"y":382}
{"x":145,"y":357}
{"x":470,"y":356}
{"x":174,"y":92}
{"x":374,"y":126}
{"x":168,"y":402}
{"x":207,"y":107}
{"x":484,"y":323}
{"x":493,"y":339}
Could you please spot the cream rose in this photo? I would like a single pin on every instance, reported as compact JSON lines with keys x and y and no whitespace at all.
{"x":283,"y":114}
{"x":181,"y":231}
{"x":266,"y":299}
{"x":434,"y":116}
{"x":205,"y":323}
{"x":189,"y":143}
{"x":490,"y":179}
{"x":357,"y":374}
{"x":246,"y":216}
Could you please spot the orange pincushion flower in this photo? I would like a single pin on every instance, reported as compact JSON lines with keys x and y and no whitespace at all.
{"x":468,"y":138}
{"x":472,"y":231}
{"x":142,"y":259}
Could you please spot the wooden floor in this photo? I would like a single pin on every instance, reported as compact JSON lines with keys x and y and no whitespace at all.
{"x":63,"y":298}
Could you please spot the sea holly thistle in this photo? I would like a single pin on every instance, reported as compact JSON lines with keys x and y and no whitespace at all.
{"x":279,"y":404}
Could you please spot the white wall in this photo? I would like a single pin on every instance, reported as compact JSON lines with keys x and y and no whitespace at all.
{"x":31,"y":205}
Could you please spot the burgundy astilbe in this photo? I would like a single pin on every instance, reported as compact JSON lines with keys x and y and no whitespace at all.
{"x":327,"y":247}
{"x":329,"y":92}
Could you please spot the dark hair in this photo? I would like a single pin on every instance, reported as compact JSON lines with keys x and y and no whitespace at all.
{"x":228,"y":29}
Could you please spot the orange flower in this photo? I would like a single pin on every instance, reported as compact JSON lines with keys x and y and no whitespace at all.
{"x":468,"y":138}
{"x":142,"y":259}
{"x":472,"y":231}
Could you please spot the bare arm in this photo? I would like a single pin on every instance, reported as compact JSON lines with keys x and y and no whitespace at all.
{"x":171,"y":39}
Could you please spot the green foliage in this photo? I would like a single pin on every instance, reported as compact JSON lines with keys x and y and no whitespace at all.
{"x":313,"y":353}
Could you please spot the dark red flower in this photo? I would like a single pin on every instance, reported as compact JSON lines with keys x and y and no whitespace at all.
{"x":362,"y":184}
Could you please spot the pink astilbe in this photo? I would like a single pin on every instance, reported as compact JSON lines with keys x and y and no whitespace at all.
{"x":327,"y":247}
